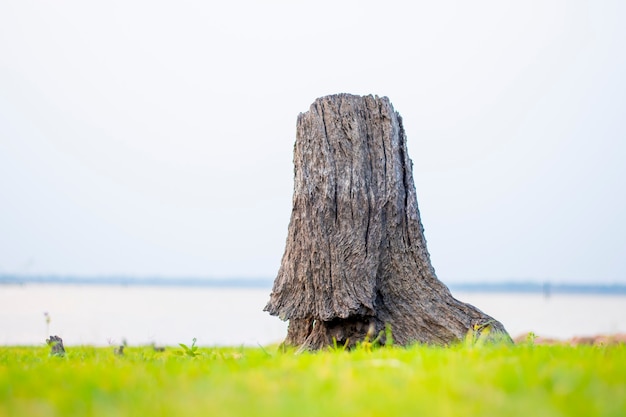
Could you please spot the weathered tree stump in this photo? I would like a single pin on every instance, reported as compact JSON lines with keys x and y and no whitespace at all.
{"x":356,"y":257}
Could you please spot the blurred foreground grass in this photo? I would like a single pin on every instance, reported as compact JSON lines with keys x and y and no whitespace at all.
{"x":500,"y":380}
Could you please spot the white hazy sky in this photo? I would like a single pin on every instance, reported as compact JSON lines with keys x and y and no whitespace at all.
{"x":156,"y":137}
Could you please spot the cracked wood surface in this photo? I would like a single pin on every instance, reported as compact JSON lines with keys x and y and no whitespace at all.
{"x":356,"y":257}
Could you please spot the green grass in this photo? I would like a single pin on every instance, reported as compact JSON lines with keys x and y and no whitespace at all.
{"x":496,"y":380}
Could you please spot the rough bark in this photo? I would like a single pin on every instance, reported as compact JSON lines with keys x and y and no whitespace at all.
{"x":356,"y":258}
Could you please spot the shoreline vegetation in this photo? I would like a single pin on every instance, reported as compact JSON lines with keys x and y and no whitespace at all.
{"x":546,"y":288}
{"x":465,"y":379}
{"x":589,"y":340}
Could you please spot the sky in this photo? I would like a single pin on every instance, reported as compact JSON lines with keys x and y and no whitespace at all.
{"x":155,"y":138}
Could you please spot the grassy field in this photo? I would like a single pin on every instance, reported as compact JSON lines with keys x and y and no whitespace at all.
{"x":501,"y":380}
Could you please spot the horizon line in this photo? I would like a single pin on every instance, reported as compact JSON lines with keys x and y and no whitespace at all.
{"x":527,"y":286}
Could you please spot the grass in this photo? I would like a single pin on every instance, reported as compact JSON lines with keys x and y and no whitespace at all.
{"x":497,"y":380}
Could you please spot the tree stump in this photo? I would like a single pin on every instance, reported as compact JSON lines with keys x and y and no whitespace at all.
{"x":356,"y":260}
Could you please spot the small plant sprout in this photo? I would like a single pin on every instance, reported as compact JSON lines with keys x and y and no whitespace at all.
{"x":530,"y":338}
{"x":191,"y":351}
{"x":336,"y":346}
{"x":388,"y":335}
{"x":47,"y":317}
{"x":367,"y":344}
{"x":478,"y":333}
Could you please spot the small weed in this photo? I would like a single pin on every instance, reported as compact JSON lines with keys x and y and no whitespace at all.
{"x":478,"y":334}
{"x":338,"y":347}
{"x":367,"y":344}
{"x":48,"y":319}
{"x":191,"y":351}
{"x":481,"y":334}
{"x":262,"y":350}
{"x":388,"y":335}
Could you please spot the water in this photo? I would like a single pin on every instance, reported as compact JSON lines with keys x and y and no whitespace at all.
{"x":102,"y":315}
{"x":110,"y":314}
{"x":561,"y":316}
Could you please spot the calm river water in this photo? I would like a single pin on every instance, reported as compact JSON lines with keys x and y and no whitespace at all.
{"x":109,"y":314}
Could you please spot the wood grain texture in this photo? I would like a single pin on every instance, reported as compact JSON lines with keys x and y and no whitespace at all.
{"x":356,"y":257}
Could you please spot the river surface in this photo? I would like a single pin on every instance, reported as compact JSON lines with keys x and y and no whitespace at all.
{"x":167,"y":315}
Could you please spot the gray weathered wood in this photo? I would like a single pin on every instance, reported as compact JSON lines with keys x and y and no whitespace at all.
{"x":356,"y":257}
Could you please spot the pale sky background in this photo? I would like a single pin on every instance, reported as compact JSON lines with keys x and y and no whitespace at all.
{"x":155,"y":138}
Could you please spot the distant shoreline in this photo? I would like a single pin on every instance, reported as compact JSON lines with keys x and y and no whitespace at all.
{"x":546,"y":288}
{"x":138,"y":281}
